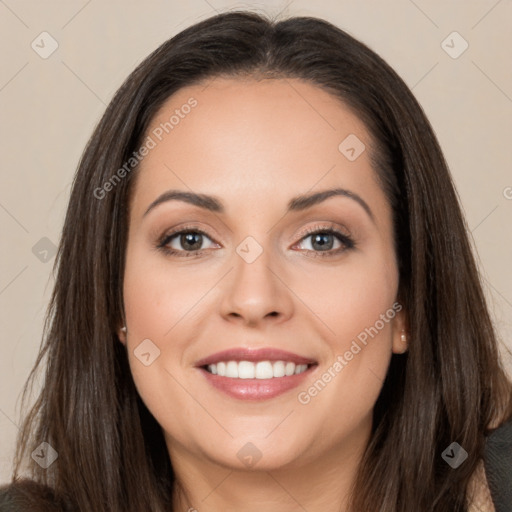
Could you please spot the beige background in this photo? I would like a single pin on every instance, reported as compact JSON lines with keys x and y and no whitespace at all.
{"x":48,"y":108}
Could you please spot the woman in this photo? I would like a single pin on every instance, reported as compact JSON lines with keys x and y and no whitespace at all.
{"x":327,"y":347}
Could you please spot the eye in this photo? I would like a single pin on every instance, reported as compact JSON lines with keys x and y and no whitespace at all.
{"x":323,"y":239}
{"x":189,"y":242}
{"x":186,"y":242}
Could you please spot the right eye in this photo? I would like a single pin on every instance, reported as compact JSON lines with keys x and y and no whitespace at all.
{"x":190,"y":239}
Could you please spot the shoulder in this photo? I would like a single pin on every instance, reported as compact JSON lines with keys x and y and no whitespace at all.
{"x":24,"y":495}
{"x":498,"y":465}
{"x":490,"y":488}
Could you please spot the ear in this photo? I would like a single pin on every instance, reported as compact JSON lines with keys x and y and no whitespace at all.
{"x":121,"y":334}
{"x":400,"y":332}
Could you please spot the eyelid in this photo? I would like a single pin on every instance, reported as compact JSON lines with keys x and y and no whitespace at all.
{"x":328,"y":226}
{"x":192,"y":226}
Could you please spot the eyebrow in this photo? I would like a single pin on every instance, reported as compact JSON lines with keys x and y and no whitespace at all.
{"x":296,"y":204}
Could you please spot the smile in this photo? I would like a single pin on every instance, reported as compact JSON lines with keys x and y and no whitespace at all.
{"x":256,"y":370}
{"x":264,"y":387}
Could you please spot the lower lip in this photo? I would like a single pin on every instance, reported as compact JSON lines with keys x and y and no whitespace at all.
{"x":256,"y":389}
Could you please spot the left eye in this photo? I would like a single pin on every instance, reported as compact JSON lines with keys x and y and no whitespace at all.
{"x":322,"y":240}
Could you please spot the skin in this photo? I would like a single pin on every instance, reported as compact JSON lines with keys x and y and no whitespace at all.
{"x":255,"y":145}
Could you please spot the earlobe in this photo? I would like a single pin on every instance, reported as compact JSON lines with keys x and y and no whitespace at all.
{"x":400,"y":334}
{"x":402,"y":346}
{"x":121,"y":334}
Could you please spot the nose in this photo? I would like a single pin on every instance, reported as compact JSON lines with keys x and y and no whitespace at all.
{"x":256,"y":292}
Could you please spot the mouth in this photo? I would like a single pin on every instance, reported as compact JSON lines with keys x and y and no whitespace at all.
{"x":255,"y":374}
{"x":256,"y":370}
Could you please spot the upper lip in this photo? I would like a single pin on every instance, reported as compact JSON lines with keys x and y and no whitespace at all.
{"x":254,"y":355}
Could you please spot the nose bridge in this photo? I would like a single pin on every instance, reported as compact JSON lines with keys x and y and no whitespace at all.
{"x":253,"y":263}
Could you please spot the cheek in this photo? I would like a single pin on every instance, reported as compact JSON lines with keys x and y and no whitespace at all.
{"x":157,"y":295}
{"x":157,"y":302}
{"x":355,"y":305}
{"x":349,"y":298}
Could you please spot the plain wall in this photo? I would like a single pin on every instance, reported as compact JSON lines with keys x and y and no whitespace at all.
{"x":49,"y":107}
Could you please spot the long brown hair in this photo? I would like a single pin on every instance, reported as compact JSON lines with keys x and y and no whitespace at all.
{"x":449,"y":386}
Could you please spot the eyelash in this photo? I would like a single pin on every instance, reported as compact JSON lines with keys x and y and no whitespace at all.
{"x":348,"y":242}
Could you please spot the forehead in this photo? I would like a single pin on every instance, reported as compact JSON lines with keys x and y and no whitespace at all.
{"x":246,"y":140}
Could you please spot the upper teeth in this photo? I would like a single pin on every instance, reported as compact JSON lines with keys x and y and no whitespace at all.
{"x":259,"y":370}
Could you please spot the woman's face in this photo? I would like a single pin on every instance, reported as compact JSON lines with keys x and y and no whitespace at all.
{"x":258,"y":281}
